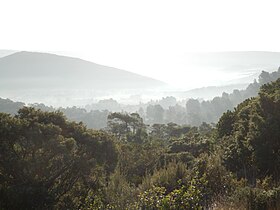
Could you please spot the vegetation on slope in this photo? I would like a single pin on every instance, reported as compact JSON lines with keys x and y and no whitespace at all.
{"x":48,"y":162}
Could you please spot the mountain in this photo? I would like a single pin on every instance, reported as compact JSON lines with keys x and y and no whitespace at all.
{"x":32,"y":70}
{"x":66,"y":81}
{"x":212,"y":91}
{"x":241,"y":61}
{"x":237,"y":67}
{"x":208,"y":92}
{"x":4,"y":53}
{"x":59,"y":80}
{"x":213,"y":73}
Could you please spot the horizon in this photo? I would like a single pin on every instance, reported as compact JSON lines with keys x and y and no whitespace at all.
{"x":148,"y":38}
{"x":32,"y":87}
{"x":140,"y":104}
{"x":198,"y":61}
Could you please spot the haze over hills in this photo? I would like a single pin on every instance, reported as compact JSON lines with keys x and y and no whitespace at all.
{"x":236,"y":59}
{"x":4,"y":53}
{"x":61,"y":81}
{"x":42,"y":70}
{"x":227,"y":68}
{"x":27,"y":75}
{"x":209,"y":92}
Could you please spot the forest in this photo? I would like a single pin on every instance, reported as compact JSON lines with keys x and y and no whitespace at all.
{"x":48,"y":161}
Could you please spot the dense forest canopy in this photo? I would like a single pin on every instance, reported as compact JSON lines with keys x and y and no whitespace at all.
{"x":50,"y":162}
{"x":139,"y":105}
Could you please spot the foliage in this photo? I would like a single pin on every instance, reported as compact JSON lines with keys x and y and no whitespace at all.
{"x":135,"y":160}
{"x":167,"y":176}
{"x":44,"y":158}
{"x":119,"y":193}
{"x":127,"y":127}
{"x":189,"y":196}
{"x":252,"y":148}
{"x":48,"y":162}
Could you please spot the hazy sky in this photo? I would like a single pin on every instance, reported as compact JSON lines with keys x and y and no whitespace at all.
{"x":149,"y":37}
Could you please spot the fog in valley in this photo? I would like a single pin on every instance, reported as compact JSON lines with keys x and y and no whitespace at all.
{"x":62,"y":81}
{"x":83,"y":89}
{"x":139,"y":105}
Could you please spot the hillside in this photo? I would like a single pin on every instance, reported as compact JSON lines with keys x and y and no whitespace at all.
{"x":236,"y":61}
{"x":233,"y":67}
{"x":209,"y":92}
{"x":32,"y":70}
{"x":49,"y":162}
{"x":4,"y":53}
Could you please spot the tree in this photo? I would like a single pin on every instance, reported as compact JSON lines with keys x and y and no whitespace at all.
{"x":155,"y":114}
{"x":225,"y":124}
{"x":128,"y":127}
{"x":252,"y":135}
{"x":44,"y":158}
{"x":193,"y":112}
{"x":10,"y":107}
{"x":264,"y":78}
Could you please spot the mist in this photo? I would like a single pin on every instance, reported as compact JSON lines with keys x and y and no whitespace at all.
{"x":62,"y":81}
{"x":139,"y":105}
{"x":82,"y":89}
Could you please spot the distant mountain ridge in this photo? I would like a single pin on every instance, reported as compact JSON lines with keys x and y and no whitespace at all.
{"x":66,"y":81}
{"x":33,"y":70}
{"x":242,"y":61}
{"x":4,"y":53}
{"x":232,"y":67}
{"x":212,"y":91}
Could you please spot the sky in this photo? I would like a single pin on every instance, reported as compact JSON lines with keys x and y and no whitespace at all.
{"x":148,"y":37}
